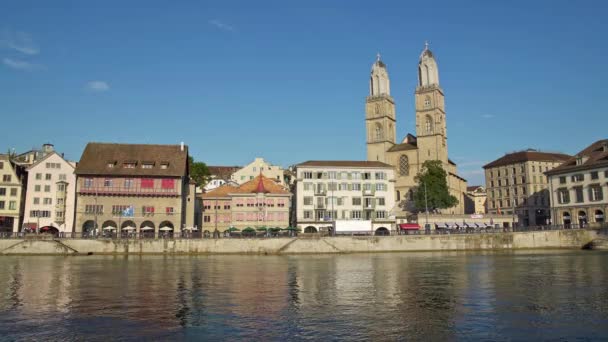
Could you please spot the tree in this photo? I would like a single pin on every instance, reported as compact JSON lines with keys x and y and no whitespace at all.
{"x":199,"y":172}
{"x":434,"y":178}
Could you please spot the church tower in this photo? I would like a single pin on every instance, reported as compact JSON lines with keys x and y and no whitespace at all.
{"x":379,"y":114}
{"x":430,"y":111}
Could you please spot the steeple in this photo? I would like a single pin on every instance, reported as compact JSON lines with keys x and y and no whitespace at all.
{"x":379,"y":83}
{"x":428,"y":72}
{"x":260,"y":189}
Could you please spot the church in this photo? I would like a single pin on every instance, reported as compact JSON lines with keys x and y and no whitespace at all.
{"x":430,"y":141}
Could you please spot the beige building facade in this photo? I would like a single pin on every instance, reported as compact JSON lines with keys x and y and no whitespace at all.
{"x":50,"y":197}
{"x":579,"y":188}
{"x":516,"y":185}
{"x":430,"y":142}
{"x":11,"y":191}
{"x":257,"y":167}
{"x":476,"y":200}
{"x":134,"y":188}
{"x":327,"y":191}
{"x":260,"y":202}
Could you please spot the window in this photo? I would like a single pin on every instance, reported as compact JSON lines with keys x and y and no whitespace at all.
{"x":60,"y":201}
{"x":1,"y":165}
{"x":164,"y":165}
{"x":110,"y":164}
{"x":606,"y":174}
{"x":562,"y":180}
{"x":59,"y":214}
{"x":356,"y":175}
{"x":36,"y":200}
{"x":563,"y":196}
{"x":533,"y":168}
{"x":12,"y":205}
{"x":343,"y":186}
{"x":307,"y":175}
{"x":380,"y":187}
{"x":2,"y":203}
{"x":47,"y":188}
{"x":147,"y":210}
{"x":129,"y":165}
{"x":307,"y":200}
{"x":107,"y":182}
{"x":381,"y":201}
{"x":206,"y":218}
{"x":595,"y":193}
{"x":169,"y":210}
{"x":60,"y":187}
{"x":47,"y":176}
{"x":380,"y":214}
{"x":404,"y":166}
{"x":356,"y":214}
{"x":427,"y":102}
{"x":332,"y":174}
{"x":380,"y":175}
{"x":499,"y":182}
{"x":579,"y":194}
{"x":147,"y":183}
{"x":356,"y":186}
{"x":595,"y":175}
{"x":128,"y":182}
{"x":168,"y":183}
{"x":147,"y":165}
{"x":88,"y":182}
{"x":429,"y":124}
{"x":332,"y":186}
{"x":47,"y":201}
{"x":227,"y":206}
{"x":307,"y":214}
{"x":38,"y":176}
{"x":6,"y":178}
{"x":356,"y":200}
{"x":92,"y":209}
{"x":578,"y":177}
{"x":367,"y":175}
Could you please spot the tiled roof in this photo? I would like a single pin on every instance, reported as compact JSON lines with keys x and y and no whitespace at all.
{"x":595,"y":155}
{"x":221,"y":191}
{"x":344,"y":163}
{"x":252,"y":186}
{"x":97,"y":156}
{"x":524,"y":156}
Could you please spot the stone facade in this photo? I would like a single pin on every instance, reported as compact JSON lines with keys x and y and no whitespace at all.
{"x":50,"y":197}
{"x":517,"y":186}
{"x":476,"y":200}
{"x":430,"y":142}
{"x":344,"y":190}
{"x":579,"y":188}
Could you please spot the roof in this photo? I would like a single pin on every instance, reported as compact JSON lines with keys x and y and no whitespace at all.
{"x":223,"y":171}
{"x":528,"y":155}
{"x":473,"y":188}
{"x":457,"y":176}
{"x":451,"y":162}
{"x":97,"y":156}
{"x":267,"y":186}
{"x":344,"y":163}
{"x":403,"y":147}
{"x":595,"y":155}
{"x":37,"y":162}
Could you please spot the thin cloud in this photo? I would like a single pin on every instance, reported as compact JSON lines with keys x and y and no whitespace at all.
{"x":18,"y":41}
{"x":97,"y":86}
{"x":20,"y":65}
{"x":221,"y":25}
{"x":487,"y":116}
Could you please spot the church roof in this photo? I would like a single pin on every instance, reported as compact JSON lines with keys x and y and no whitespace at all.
{"x":403,"y":147}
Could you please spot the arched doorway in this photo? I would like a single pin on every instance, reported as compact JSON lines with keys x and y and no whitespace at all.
{"x":49,"y":230}
{"x":88,"y":228}
{"x":582,"y":219}
{"x":382,"y":231}
{"x":166,"y":229}
{"x":109,"y":228}
{"x":128,"y":228}
{"x":146,"y":229}
{"x":566,"y":219}
{"x":310,"y":229}
{"x":599,"y":216}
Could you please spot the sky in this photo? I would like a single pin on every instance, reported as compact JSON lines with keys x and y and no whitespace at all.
{"x":287,"y":80}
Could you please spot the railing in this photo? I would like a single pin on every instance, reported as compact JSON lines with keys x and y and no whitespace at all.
{"x":319,"y":192}
{"x":135,"y":190}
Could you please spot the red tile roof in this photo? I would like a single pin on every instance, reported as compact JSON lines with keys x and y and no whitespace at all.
{"x":595,"y":155}
{"x":524,"y":156}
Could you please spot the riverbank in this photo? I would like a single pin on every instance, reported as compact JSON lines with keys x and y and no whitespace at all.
{"x":573,"y":239}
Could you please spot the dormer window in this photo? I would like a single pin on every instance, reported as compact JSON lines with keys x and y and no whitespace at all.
{"x":164,"y":165}
{"x":110,"y":164}
{"x":129,"y":165}
{"x":579,"y":160}
{"x":147,"y":165}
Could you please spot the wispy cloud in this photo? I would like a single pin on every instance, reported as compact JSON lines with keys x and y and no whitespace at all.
{"x":97,"y":86}
{"x":20,"y":65}
{"x":18,"y":41}
{"x":487,"y":116}
{"x":221,"y":25}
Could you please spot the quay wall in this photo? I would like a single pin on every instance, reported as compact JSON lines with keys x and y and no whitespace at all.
{"x":573,"y":239}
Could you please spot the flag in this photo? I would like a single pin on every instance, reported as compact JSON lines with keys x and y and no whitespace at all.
{"x":128,"y":212}
{"x":499,"y":213}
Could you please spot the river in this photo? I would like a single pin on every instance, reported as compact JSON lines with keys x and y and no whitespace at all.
{"x":525,"y":295}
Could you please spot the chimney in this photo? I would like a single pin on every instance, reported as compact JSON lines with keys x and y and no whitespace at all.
{"x":182,"y":146}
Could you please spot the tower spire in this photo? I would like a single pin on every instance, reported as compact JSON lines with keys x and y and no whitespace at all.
{"x":378,"y":57}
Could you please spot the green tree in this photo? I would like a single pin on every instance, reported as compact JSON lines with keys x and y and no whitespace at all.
{"x":434,"y":177}
{"x":199,"y":172}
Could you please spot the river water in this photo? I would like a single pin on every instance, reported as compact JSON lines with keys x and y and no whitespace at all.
{"x":560,"y":295}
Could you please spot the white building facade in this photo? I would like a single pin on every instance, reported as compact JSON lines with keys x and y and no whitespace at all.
{"x":327,"y":191}
{"x":257,"y":167}
{"x":10,"y":195}
{"x":50,"y":197}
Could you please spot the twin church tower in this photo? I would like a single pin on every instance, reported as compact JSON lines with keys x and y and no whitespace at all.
{"x":430,"y":141}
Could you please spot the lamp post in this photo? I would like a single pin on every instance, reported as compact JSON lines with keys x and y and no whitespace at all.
{"x":426,"y":205}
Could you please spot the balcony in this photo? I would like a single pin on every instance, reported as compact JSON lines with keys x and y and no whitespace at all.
{"x":320,"y":192}
{"x":368,"y":192}
{"x":131,"y":191}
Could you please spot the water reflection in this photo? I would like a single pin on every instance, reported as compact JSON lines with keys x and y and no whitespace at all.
{"x":443,"y":296}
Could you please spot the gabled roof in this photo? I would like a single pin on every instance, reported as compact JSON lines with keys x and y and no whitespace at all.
{"x":97,"y":156}
{"x":37,"y":162}
{"x":528,"y":155}
{"x":343,"y":163}
{"x":595,"y":155}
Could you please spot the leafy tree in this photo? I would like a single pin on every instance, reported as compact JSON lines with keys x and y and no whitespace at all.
{"x":199,"y":172}
{"x":434,"y":177}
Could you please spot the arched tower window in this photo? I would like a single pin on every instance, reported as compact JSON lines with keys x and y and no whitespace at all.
{"x":428,"y":124}
{"x":378,"y":132}
{"x":427,"y":102}
{"x":404,"y":165}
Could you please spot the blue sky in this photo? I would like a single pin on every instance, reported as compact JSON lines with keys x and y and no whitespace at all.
{"x":287,"y":80}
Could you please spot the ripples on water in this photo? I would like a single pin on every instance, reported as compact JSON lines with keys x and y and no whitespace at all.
{"x":431,"y":296}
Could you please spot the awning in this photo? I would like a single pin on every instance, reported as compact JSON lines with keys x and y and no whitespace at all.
{"x":409,"y":226}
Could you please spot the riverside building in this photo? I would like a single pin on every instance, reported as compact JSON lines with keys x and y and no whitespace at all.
{"x":579,"y":188}
{"x":11,"y":190}
{"x":327,"y":191}
{"x":138,"y":188}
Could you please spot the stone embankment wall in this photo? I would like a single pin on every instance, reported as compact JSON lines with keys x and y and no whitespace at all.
{"x":521,"y":240}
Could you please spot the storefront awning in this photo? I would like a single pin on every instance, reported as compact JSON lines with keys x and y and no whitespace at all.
{"x":409,"y":226}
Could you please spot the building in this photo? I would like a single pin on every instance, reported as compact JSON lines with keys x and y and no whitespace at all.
{"x":475,"y":200}
{"x":430,"y":142}
{"x":577,"y":187}
{"x":260,"y":202}
{"x":344,"y":190}
{"x":516,"y":185}
{"x":11,"y":194}
{"x":131,"y":186}
{"x":50,"y":196}
{"x":30,"y":157}
{"x":253,"y":169}
{"x":220,"y":175}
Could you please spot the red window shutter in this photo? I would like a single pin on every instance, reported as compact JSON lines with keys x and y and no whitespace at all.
{"x":147,"y":183}
{"x":168,"y":183}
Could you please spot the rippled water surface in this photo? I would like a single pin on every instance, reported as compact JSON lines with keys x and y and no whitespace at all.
{"x":431,"y":296}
